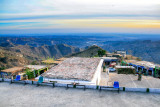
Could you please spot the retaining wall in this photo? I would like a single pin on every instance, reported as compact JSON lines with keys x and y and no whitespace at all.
{"x":149,"y":90}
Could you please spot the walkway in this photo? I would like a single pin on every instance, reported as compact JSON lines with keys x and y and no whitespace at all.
{"x":131,"y":81}
{"x":18,"y":95}
{"x":104,"y":78}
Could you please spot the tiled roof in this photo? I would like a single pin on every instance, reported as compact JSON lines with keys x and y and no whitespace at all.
{"x":142,"y":63}
{"x":74,"y":68}
{"x":13,"y":70}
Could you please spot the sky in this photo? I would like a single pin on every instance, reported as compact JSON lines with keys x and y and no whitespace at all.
{"x":82,"y":16}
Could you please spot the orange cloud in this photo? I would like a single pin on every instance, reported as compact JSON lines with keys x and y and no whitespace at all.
{"x":102,"y":23}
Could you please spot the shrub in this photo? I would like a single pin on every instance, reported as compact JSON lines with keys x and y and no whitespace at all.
{"x":147,"y":90}
{"x":34,"y":63}
{"x":2,"y":68}
{"x":101,"y":52}
{"x":97,"y":87}
{"x":104,"y":68}
{"x":29,"y":73}
{"x":124,"y":88}
{"x":126,"y":71}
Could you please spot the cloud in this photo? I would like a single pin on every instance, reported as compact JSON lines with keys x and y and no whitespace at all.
{"x":26,"y":8}
{"x":89,"y":14}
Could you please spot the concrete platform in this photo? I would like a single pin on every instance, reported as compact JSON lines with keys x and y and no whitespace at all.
{"x":18,"y":95}
{"x":132,"y":82}
{"x":104,"y":77}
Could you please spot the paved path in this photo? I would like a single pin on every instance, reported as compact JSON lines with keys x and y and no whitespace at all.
{"x":18,"y":95}
{"x":104,"y":78}
{"x":131,"y":81}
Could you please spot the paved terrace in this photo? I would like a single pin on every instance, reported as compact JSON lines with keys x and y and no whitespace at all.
{"x":74,"y":68}
{"x":18,"y":95}
{"x":132,"y":82}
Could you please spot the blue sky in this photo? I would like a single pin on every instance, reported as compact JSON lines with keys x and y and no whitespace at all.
{"x":63,"y":16}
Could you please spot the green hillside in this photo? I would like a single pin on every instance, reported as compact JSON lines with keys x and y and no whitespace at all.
{"x":89,"y":52}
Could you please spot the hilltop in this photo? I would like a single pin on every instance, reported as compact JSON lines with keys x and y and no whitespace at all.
{"x":88,"y":52}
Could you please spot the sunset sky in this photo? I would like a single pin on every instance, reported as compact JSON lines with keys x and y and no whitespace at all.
{"x":83,"y":16}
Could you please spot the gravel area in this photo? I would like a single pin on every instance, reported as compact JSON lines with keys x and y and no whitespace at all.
{"x":18,"y":95}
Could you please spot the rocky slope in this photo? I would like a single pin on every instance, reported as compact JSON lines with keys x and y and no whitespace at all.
{"x":18,"y":55}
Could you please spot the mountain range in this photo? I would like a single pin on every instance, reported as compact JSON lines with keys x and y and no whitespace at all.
{"x":18,"y":55}
{"x":40,"y":47}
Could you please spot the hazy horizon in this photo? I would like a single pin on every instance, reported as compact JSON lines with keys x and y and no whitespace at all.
{"x":82,"y":16}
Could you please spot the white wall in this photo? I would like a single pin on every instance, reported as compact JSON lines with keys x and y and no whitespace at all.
{"x":97,"y":75}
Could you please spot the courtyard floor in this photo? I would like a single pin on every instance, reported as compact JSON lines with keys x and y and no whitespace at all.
{"x":131,"y":81}
{"x":18,"y":95}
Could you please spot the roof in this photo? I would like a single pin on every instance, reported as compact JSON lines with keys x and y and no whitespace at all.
{"x":74,"y":68}
{"x":51,"y":61}
{"x":48,"y":61}
{"x":113,"y":54}
{"x":13,"y":70}
{"x":142,"y":63}
{"x":157,"y":65}
{"x":109,"y":58}
{"x":61,"y":59}
{"x":119,"y":67}
{"x":131,"y":61}
{"x":36,"y":67}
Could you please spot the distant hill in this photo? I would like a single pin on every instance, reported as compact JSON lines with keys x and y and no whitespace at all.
{"x":146,"y":50}
{"x":24,"y":54}
{"x":88,"y":52}
{"x":144,"y":46}
{"x":7,"y":44}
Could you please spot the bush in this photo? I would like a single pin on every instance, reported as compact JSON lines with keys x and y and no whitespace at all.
{"x":2,"y":68}
{"x":97,"y":87}
{"x":124,"y":88}
{"x":101,"y":52}
{"x":126,"y":71}
{"x":34,"y":63}
{"x":104,"y":68}
{"x":147,"y":90}
{"x":96,"y":56}
{"x":29,"y":73}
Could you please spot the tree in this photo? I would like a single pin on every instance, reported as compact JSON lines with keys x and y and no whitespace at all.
{"x":101,"y":52}
{"x":34,"y":63}
{"x":2,"y":68}
{"x":139,"y":59}
{"x":29,"y":73}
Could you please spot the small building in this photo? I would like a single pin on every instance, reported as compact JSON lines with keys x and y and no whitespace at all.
{"x":113,"y":55}
{"x":38,"y":69}
{"x":117,"y":55}
{"x":8,"y":73}
{"x":146,"y":67}
{"x":125,"y":70}
{"x":123,"y":53}
{"x":52,"y":61}
{"x":76,"y":69}
{"x":110,"y":60}
{"x":61,"y":59}
{"x":123,"y":67}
